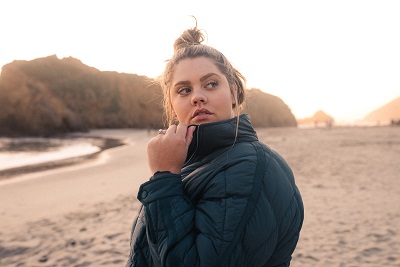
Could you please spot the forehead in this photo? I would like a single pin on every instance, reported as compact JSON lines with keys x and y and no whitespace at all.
{"x":194,"y":68}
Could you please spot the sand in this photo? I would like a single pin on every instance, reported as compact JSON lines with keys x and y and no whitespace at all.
{"x":81,"y":215}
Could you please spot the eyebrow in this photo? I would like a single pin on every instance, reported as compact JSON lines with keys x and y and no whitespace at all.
{"x":205,"y":77}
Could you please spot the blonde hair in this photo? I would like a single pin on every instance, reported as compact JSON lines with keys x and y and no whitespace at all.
{"x":189,"y":45}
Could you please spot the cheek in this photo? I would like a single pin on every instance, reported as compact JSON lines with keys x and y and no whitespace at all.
{"x":225,"y":105}
{"x":178,"y":108}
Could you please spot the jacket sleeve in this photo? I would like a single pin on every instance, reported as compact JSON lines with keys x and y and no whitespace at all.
{"x":181,"y":234}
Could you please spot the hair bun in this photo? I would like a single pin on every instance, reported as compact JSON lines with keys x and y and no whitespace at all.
{"x":188,"y":38}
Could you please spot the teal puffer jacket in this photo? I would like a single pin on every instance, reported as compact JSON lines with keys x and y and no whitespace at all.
{"x":235,"y":204}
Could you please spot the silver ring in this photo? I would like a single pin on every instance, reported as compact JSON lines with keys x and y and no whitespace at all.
{"x":161,"y":131}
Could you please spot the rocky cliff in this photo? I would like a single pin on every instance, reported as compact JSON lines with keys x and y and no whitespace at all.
{"x":48,"y":96}
{"x":319,"y":118}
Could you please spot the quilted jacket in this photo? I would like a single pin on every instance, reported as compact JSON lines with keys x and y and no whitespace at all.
{"x":235,"y":203}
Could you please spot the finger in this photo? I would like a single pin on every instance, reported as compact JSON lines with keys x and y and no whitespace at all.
{"x":181,"y":129}
{"x":189,"y":134}
{"x":171,"y":130}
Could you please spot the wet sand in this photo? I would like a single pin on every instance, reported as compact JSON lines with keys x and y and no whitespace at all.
{"x":37,"y":162}
{"x":81,"y":215}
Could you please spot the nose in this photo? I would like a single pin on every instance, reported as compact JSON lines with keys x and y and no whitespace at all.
{"x":198,"y":97}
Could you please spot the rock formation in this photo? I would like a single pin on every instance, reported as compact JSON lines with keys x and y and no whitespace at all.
{"x":319,"y":118}
{"x":267,"y":110}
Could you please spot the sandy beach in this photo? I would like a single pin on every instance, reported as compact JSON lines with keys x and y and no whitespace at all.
{"x":81,"y":215}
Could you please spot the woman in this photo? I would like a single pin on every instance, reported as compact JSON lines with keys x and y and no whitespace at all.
{"x":218,"y":196}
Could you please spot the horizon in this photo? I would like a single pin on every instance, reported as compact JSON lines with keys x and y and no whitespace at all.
{"x":341,"y":58}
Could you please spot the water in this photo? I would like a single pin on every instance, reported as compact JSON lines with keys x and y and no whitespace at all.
{"x":20,"y":152}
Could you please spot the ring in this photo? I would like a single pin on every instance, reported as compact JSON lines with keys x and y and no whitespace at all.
{"x":161,"y":131}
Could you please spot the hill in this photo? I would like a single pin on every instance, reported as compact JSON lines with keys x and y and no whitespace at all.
{"x":48,"y":96}
{"x":387,"y":113}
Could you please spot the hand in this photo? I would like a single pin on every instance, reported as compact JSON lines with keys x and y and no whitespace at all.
{"x":167,"y":152}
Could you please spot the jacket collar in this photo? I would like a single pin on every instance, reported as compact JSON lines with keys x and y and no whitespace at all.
{"x":210,"y":137}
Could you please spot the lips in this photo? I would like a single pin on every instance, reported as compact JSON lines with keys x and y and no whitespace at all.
{"x":202,"y":111}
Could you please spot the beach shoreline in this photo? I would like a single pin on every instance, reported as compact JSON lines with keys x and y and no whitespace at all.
{"x":103,"y":143}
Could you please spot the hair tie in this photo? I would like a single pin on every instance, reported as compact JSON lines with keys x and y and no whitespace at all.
{"x":190,"y":43}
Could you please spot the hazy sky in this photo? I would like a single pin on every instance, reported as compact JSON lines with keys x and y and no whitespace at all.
{"x":340,"y":56}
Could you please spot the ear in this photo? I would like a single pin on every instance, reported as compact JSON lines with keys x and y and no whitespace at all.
{"x":234,"y":96}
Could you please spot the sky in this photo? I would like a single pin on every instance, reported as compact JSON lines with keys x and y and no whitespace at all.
{"x":339,"y":56}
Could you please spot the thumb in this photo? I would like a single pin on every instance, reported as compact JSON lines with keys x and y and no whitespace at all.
{"x":189,"y":134}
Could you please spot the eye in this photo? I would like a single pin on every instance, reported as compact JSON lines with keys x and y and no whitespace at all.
{"x":212,"y":84}
{"x":184,"y":91}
